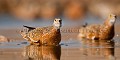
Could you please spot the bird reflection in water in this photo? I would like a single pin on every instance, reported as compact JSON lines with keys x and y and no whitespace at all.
{"x":99,"y":48}
{"x":34,"y":52}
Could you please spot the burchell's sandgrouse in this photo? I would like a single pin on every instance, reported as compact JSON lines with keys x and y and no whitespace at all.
{"x":46,"y":35}
{"x":104,"y":31}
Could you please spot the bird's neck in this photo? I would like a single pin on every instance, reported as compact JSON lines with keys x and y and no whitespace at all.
{"x":108,"y":23}
{"x":109,"y":26}
{"x":57,"y":27}
{"x":56,"y":30}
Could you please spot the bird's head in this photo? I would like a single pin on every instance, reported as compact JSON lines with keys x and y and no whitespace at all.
{"x":57,"y":22}
{"x":111,"y":20}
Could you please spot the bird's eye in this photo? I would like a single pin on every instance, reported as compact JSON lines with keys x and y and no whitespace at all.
{"x":55,"y":20}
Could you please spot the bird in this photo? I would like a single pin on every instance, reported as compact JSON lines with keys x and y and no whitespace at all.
{"x":103,"y":31}
{"x":49,"y":35}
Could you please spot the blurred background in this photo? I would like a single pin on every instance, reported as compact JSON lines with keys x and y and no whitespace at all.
{"x":48,"y":9}
{"x":38,"y":13}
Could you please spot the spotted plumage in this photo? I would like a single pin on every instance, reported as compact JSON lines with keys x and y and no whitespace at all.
{"x":46,"y":35}
{"x":97,"y":31}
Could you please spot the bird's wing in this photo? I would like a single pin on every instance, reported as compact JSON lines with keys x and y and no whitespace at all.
{"x":93,"y":30}
{"x":47,"y":29}
{"x":36,"y":34}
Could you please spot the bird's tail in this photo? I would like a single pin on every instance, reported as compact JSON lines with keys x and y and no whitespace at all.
{"x":24,"y":31}
{"x":85,"y":24}
{"x":28,"y":27}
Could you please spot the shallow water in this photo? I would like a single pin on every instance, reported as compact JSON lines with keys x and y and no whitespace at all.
{"x":68,"y":50}
{"x":70,"y":47}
